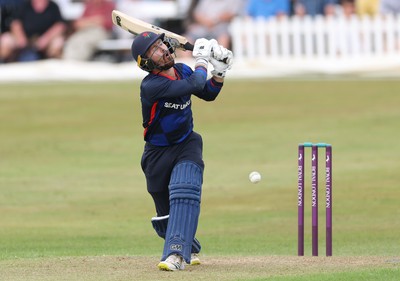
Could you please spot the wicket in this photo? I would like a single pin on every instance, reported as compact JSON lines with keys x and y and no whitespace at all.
{"x":314,"y":196}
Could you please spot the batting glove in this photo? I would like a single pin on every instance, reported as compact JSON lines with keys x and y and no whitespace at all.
{"x":222,"y":54}
{"x":220,"y":68}
{"x":202,"y":50}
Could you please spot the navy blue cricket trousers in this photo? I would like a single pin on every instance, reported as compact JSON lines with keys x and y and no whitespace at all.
{"x":158,"y":162}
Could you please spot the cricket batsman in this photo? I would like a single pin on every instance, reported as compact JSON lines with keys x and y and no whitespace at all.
{"x":172,"y":160}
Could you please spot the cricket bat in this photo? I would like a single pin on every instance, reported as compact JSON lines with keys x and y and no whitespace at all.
{"x":136,"y":26}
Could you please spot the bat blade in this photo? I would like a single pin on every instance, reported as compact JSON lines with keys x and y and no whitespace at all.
{"x":136,"y":26}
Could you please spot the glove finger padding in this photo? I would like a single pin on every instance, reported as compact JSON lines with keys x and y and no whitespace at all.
{"x":220,"y":68}
{"x":222,"y":54}
{"x":229,"y":58}
{"x":216,"y":49}
{"x":219,"y":52}
{"x":202,"y":50}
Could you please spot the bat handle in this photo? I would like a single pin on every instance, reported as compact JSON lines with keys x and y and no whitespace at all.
{"x":189,"y":47}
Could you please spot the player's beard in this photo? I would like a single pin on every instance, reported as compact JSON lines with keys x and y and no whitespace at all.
{"x":166,"y":62}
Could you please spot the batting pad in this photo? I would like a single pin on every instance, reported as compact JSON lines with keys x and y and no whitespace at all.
{"x":184,"y":195}
{"x":160,"y":226}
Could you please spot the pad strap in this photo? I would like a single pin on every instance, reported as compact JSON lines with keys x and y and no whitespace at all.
{"x":160,"y":226}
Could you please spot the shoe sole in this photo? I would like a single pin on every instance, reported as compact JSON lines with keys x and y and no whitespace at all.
{"x":195,"y":262}
{"x":165,"y":267}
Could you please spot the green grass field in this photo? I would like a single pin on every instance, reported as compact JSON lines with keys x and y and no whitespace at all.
{"x":73,"y":202}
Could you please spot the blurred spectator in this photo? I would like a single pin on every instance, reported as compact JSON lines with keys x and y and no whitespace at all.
{"x":36,"y":32}
{"x":8,"y":10}
{"x":190,"y":13}
{"x":292,"y":5}
{"x":91,"y":28}
{"x":211,"y":18}
{"x":390,"y":7}
{"x":268,"y":8}
{"x":315,"y":7}
{"x":348,"y":8}
{"x":367,"y":7}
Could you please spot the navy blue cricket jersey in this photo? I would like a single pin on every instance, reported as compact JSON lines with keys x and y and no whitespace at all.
{"x":167,"y":106}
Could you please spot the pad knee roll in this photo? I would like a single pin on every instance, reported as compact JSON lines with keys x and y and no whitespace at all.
{"x":186,"y":180}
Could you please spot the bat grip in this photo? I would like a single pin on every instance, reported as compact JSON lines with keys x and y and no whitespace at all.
{"x":189,"y":47}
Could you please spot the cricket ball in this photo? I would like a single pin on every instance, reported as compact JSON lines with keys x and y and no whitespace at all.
{"x":254,"y":177}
